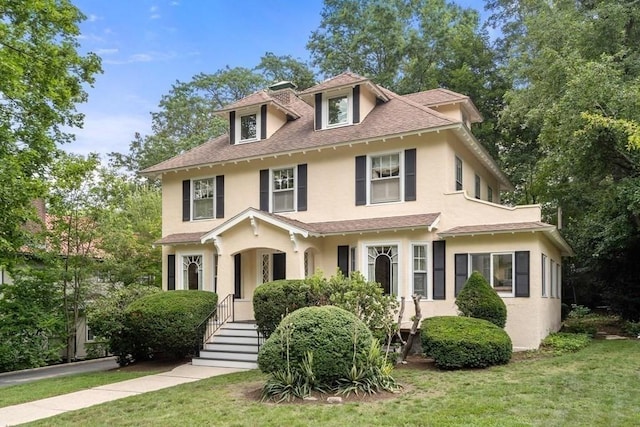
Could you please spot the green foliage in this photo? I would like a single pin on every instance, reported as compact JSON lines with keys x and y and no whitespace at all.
{"x":167,"y":322}
{"x":632,"y":329}
{"x":274,"y":300}
{"x":578,"y":311}
{"x":561,"y":342}
{"x":464,"y":342}
{"x":334,"y":336}
{"x":286,"y":68}
{"x":369,"y":374}
{"x":478,"y":299}
{"x":43,"y":77}
{"x":589,"y":323}
{"x":31,"y":320}
{"x":367,"y":301}
{"x":410,"y":46}
{"x":106,"y":316}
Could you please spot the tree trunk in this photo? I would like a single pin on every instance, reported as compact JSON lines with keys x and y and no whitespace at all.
{"x":414,"y":327}
{"x":400,"y":315}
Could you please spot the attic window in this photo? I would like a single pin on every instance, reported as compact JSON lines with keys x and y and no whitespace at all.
{"x":337,"y":110}
{"x":248,"y":127}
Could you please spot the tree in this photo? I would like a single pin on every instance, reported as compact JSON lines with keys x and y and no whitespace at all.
{"x":286,"y":68}
{"x":410,"y":46}
{"x":42,"y":79}
{"x":577,"y":68}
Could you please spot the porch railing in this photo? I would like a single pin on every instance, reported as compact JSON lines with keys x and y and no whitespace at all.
{"x":218,"y":317}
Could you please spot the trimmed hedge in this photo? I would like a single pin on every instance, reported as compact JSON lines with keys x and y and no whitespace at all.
{"x":274,"y":300}
{"x":479,"y":300}
{"x":464,"y":342}
{"x":328,"y":332}
{"x":167,"y":321}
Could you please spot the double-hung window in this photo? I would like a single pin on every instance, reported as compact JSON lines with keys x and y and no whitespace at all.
{"x":420,"y":270}
{"x":477,"y":189}
{"x":248,"y":127}
{"x":458,"y":174}
{"x":203,"y":198}
{"x":544,"y":275}
{"x":497,"y":268}
{"x":283,"y":189}
{"x":385,"y":178}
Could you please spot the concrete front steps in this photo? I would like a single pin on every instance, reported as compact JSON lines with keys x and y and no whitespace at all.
{"x":235,"y":345}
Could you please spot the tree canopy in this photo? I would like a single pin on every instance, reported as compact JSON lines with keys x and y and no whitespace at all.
{"x":42,"y":80}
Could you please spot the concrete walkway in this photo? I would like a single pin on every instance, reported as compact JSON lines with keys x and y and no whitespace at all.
{"x":39,"y":409}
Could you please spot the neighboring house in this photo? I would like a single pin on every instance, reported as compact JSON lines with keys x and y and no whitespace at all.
{"x":350,"y":175}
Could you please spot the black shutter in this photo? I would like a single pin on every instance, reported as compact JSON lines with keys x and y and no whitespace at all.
{"x":263,"y":122}
{"x":232,"y":127}
{"x":356,"y":104}
{"x":264,"y":190}
{"x":318,"y":111}
{"x":220,"y":196}
{"x":237,"y":276}
{"x":343,"y":259}
{"x":186,"y":200}
{"x":361,"y":180}
{"x":439,"y":264}
{"x":302,"y":187}
{"x":171,"y":272}
{"x":462,"y":271}
{"x":409,"y":175}
{"x":522,"y":274}
{"x":279,"y":266}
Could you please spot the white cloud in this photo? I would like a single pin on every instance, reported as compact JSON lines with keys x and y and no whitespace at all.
{"x":155,"y":16}
{"x":107,"y":51}
{"x":92,"y":18}
{"x":104,"y":133}
{"x":143,"y":57}
{"x":153,"y":9}
{"x":174,"y":3}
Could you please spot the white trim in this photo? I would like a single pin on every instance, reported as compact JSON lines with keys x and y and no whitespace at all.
{"x":180,"y":285}
{"x":295,"y":188}
{"x":325,"y":108}
{"x":428,"y":268}
{"x":238,"y":127}
{"x":401,"y":171}
{"x":191,"y":197}
{"x":364,"y":258}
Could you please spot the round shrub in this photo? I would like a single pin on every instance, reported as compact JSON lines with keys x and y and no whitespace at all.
{"x":274,"y":300}
{"x":168,"y":321}
{"x":464,"y":342}
{"x":479,"y":300}
{"x":330,"y":333}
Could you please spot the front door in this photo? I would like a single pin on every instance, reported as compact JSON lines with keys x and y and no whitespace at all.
{"x":383,"y":267}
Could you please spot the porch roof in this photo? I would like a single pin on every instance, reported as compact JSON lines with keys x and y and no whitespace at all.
{"x":549,"y":230}
{"x":376,"y":224}
{"x":179,"y":238}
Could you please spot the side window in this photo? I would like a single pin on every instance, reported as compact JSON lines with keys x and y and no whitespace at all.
{"x":283,"y":184}
{"x":458,"y":174}
{"x":203,"y":198}
{"x":420,"y":270}
{"x":385,"y":178}
{"x":477,"y":189}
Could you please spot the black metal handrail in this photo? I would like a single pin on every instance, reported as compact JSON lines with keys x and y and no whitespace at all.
{"x":218,"y":317}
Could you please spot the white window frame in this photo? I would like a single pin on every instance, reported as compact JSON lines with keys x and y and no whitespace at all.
{"x":491,"y":273}
{"x":325,"y":109}
{"x":559,"y":280}
{"x":364,"y":261}
{"x":427,"y":254}
{"x":401,"y":172}
{"x":353,"y":260}
{"x":459,"y":167}
{"x":489,"y":193}
{"x":192,"y":197}
{"x":238,"y":127}
{"x":478,"y":187}
{"x":261,"y":256}
{"x":543,"y":273}
{"x":180,"y":259}
{"x":272,"y":191}
{"x":552,"y":271}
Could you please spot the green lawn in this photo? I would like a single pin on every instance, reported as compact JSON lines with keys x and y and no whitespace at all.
{"x":595,"y":386}
{"x":49,"y":387}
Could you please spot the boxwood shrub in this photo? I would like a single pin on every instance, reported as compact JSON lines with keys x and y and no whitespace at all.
{"x":166,"y":322}
{"x":464,"y":342}
{"x":335,"y":337}
{"x":274,"y":300}
{"x":479,"y":300}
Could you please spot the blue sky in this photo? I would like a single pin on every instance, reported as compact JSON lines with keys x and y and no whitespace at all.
{"x":146,"y":45}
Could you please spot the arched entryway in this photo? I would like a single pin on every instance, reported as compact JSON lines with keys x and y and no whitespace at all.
{"x":383,"y":267}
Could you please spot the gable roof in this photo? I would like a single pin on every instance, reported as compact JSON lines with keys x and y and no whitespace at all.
{"x":344,"y":80}
{"x":438,"y":97}
{"x":259,"y":98}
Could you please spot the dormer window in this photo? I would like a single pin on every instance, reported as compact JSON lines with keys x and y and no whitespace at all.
{"x":337,"y":110}
{"x":248,"y":127}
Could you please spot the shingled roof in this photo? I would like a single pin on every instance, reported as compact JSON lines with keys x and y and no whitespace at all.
{"x":440,"y":96}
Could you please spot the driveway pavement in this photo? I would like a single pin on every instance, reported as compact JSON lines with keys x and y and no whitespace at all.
{"x":28,"y":375}
{"x":44,"y":408}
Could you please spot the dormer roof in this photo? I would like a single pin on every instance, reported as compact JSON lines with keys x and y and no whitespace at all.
{"x":344,"y":80}
{"x":259,"y":98}
{"x":439,"y":97}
